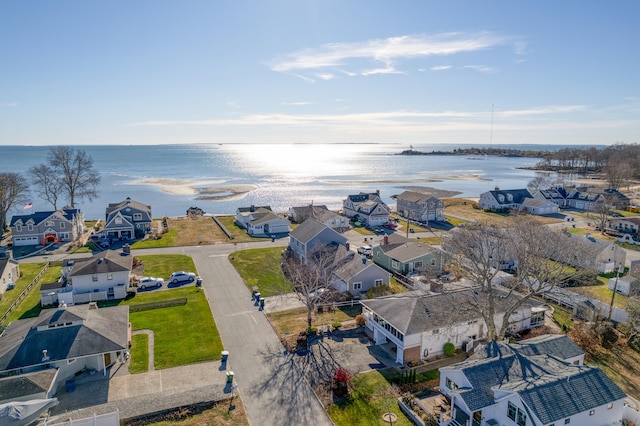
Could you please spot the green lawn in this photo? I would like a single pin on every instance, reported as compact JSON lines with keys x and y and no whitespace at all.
{"x":29,"y":307}
{"x":183,"y":334}
{"x":261,"y":268}
{"x":239,"y":234}
{"x":454,"y":221}
{"x":168,"y":240}
{"x":139,"y":362}
{"x":367,"y":404}
{"x":163,"y":265}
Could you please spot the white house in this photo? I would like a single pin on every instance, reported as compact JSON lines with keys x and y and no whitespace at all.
{"x":629,"y":225}
{"x":261,"y":221}
{"x":320,"y":213}
{"x":68,"y":339}
{"x":602,"y":255}
{"x":539,"y":207}
{"x":503,"y":199}
{"x":103,"y":276}
{"x":9,"y":273}
{"x":368,"y":208}
{"x":529,"y":385}
{"x":418,"y":324}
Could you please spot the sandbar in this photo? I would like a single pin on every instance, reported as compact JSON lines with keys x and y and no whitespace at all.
{"x":205,"y":190}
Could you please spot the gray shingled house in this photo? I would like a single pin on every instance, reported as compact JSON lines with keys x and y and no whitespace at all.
{"x":312,"y":235}
{"x":127,"y":219}
{"x":420,"y":207}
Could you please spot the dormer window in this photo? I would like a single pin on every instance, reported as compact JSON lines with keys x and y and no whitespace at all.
{"x":501,"y":198}
{"x":510,"y":198}
{"x":137,"y":216}
{"x":18,"y":228}
{"x":29,"y":227}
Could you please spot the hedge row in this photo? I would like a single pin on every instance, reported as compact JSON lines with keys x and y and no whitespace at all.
{"x":157,"y":305}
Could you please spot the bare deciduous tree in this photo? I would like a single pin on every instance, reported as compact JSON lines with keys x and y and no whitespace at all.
{"x":13,"y":192}
{"x":311,"y":277}
{"x":543,"y":259}
{"x":47,"y":182}
{"x":75,"y":171}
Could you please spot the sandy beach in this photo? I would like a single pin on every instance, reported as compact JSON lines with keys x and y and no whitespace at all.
{"x":205,"y":190}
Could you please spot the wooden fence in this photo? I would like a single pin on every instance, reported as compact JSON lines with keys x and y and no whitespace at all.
{"x":24,"y":293}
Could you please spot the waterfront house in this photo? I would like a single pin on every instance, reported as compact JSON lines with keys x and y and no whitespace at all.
{"x":127,"y":219}
{"x":529,"y":384}
{"x":556,"y":195}
{"x":407,"y":256}
{"x":503,"y":200}
{"x":367,"y":208}
{"x":358,"y":275}
{"x":418,"y":324}
{"x":68,"y":340}
{"x":312,"y":235}
{"x":320,"y":213}
{"x":47,"y":227}
{"x":104,"y":276}
{"x":9,"y":273}
{"x":420,"y":207}
{"x":261,"y":221}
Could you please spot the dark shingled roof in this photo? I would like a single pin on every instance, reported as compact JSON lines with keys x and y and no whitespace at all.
{"x":517,"y":196}
{"x":557,"y":345}
{"x":14,"y":387}
{"x":40,"y":216}
{"x":128,"y":202}
{"x":101,"y":263}
{"x":415,"y":312}
{"x":550,"y":388}
{"x":91,"y":332}
{"x":308,"y":230}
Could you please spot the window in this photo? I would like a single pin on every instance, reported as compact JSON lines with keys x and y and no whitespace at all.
{"x":610,"y":406}
{"x":137,"y":216}
{"x":522,"y":418}
{"x":61,"y":225}
{"x":49,"y":223}
{"x":378,"y":255}
{"x":109,"y":276}
{"x":417,"y":265}
{"x":592,"y":412}
{"x":436,"y":331}
{"x":433,"y":262}
{"x":451,"y":384}
{"x":394,"y":264}
{"x":94,"y":278}
{"x":357,"y":286}
{"x":29,"y":227}
{"x":576,"y":362}
{"x":567,"y":421}
{"x":71,"y":361}
{"x":378,"y":282}
{"x":18,"y":228}
{"x":511,"y":411}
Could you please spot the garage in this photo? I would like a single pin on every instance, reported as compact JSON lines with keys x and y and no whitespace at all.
{"x":26,"y":241}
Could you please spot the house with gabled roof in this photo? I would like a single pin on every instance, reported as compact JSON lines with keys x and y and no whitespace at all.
{"x":602,"y":255}
{"x":419,"y":323}
{"x":261,"y":221}
{"x":104,"y":276}
{"x":312,"y":235}
{"x":528,"y":385}
{"x":628,"y":225}
{"x":406,"y":256}
{"x":358,"y":275}
{"x":320,"y":213}
{"x":127,"y":219}
{"x":557,"y":195}
{"x":502,"y":200}
{"x":69,"y":339}
{"x":47,"y":227}
{"x":368,"y":208}
{"x":9,"y":273}
{"x":420,"y":207}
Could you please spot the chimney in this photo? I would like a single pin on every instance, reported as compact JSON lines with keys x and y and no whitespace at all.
{"x":128,"y":200}
{"x":347,"y":245}
{"x":45,"y":357}
{"x":497,"y":188}
{"x":62,"y":306}
{"x":378,"y":192}
{"x":386,"y":240}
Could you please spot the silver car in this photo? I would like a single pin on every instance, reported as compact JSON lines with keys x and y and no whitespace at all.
{"x":182,"y":276}
{"x":146,"y":282}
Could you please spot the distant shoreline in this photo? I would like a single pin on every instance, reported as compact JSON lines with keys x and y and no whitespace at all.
{"x":495,"y":152}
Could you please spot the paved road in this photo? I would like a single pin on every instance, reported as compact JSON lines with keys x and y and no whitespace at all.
{"x":272,"y":388}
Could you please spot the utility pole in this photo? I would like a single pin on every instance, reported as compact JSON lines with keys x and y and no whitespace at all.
{"x":615,"y":287}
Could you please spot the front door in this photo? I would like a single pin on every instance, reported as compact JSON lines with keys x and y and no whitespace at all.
{"x":107,"y":360}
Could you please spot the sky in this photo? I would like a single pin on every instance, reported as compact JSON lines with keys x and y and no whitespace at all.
{"x":413,"y":72}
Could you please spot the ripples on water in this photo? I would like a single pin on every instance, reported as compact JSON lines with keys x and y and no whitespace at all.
{"x":285,"y":175}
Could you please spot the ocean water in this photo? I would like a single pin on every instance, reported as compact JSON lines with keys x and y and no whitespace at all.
{"x":282,"y":175}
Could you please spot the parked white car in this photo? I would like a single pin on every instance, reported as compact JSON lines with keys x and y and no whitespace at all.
{"x":146,"y":282}
{"x":182,"y":276}
{"x":366,"y":250}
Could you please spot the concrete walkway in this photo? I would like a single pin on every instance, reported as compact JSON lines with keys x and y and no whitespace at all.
{"x":151,"y":347}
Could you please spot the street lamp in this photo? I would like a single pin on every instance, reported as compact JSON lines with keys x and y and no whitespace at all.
{"x":615,"y":287}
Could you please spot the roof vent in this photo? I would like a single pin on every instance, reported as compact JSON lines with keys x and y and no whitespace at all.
{"x":45,"y":357}
{"x":62,"y":306}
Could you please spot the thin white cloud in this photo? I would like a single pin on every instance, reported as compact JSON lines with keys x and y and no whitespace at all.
{"x":441,"y":68}
{"x":234,"y":104}
{"x":551,"y":109}
{"x":348,"y":56}
{"x":8,"y":104}
{"x":296,"y":103}
{"x":479,"y":68}
{"x":387,"y":70}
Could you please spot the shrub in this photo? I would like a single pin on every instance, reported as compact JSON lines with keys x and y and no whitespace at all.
{"x":336,"y":325}
{"x":381,"y":290}
{"x":449,"y":349}
{"x":360,"y":320}
{"x":312,"y":330}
